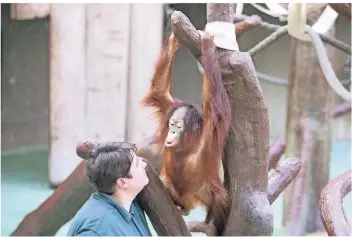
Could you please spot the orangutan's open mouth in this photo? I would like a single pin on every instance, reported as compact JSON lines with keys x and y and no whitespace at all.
{"x":169,"y":144}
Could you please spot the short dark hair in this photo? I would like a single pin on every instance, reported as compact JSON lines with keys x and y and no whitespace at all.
{"x":107,"y":163}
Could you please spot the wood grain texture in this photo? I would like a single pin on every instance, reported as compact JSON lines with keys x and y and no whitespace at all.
{"x":247,"y":148}
{"x":331,"y":205}
{"x":108,"y":41}
{"x":310,"y":100}
{"x":282,"y":177}
{"x":67,"y":88}
{"x":144,"y":47}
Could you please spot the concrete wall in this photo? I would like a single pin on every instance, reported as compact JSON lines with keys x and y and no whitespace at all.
{"x":25,"y":75}
{"x":25,"y":81}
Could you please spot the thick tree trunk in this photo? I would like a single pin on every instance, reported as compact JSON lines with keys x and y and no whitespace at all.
{"x":246,"y":152}
{"x":310,"y":101}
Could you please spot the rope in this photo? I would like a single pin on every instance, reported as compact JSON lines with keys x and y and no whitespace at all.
{"x":326,"y":65}
{"x":268,"y":40}
{"x":272,"y":27}
{"x":272,"y":79}
{"x":284,"y":82}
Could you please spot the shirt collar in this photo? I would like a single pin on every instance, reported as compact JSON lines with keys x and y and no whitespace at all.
{"x":126,"y":215}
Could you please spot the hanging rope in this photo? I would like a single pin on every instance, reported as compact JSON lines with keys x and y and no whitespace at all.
{"x":272,"y":27}
{"x":326,"y":65}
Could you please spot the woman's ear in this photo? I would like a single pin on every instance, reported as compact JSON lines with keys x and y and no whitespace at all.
{"x":122,"y":183}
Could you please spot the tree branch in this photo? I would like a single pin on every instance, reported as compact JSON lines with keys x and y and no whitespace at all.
{"x":186,"y":33}
{"x":247,"y":24}
{"x":342,"y":109}
{"x":331,"y":205}
{"x":275,"y":152}
{"x":161,"y":210}
{"x":282,"y":177}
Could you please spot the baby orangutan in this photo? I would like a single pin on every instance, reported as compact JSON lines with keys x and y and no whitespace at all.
{"x":193,"y":140}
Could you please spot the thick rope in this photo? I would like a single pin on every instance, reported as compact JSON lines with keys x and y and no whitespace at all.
{"x":284,"y":82}
{"x":326,"y":65}
{"x":336,"y":43}
{"x":272,"y":79}
{"x":268,"y":40}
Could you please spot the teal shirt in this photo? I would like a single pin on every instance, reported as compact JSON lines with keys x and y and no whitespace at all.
{"x":101,"y":215}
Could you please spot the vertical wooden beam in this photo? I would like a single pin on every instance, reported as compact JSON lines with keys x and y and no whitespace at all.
{"x":108,"y":27}
{"x":145,"y":45}
{"x":67,"y":88}
{"x":29,"y":11}
{"x":308,"y":135}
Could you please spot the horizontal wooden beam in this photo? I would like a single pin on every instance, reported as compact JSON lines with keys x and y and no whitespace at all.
{"x":29,"y":11}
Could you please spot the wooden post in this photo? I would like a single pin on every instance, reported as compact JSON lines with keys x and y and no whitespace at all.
{"x":67,"y":88}
{"x":108,"y":40}
{"x":308,"y":136}
{"x":29,"y":11}
{"x":145,"y":45}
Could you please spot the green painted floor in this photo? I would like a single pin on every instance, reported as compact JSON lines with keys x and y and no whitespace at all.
{"x":24,"y":186}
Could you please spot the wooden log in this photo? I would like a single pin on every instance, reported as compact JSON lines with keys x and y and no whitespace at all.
{"x":67,"y":88}
{"x":108,"y":41}
{"x":145,"y":45}
{"x":341,"y":110}
{"x":29,"y":11}
{"x":310,"y":98}
{"x":247,"y":147}
{"x":331,"y":205}
{"x":161,"y":210}
{"x":59,"y":208}
{"x":282,"y":177}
